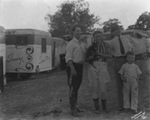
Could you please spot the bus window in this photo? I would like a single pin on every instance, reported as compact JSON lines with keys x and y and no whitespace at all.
{"x":16,"y":40}
{"x":43,"y":45}
{"x":21,"y":40}
{"x":10,"y":40}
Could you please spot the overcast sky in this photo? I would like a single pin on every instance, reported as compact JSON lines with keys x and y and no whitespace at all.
{"x":31,"y":13}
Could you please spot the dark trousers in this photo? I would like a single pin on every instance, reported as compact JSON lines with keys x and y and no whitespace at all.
{"x":75,"y":85}
{"x":118,"y":62}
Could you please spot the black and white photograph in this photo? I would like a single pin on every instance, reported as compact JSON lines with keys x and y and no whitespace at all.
{"x":74,"y":59}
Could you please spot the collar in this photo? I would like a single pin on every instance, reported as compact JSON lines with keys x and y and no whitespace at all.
{"x":117,"y":37}
{"x":75,"y":39}
{"x":130,"y":64}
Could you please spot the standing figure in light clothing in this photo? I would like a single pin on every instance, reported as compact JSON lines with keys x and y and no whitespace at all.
{"x":75,"y":56}
{"x":130,"y":74}
{"x":98,"y":75}
{"x":120,"y":45}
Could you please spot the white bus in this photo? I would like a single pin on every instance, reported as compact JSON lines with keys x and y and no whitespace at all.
{"x":27,"y":50}
{"x":2,"y":57}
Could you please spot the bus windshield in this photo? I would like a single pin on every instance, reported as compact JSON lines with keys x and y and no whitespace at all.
{"x":18,"y":40}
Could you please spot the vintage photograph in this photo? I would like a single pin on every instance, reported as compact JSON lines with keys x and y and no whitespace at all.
{"x":74,"y":59}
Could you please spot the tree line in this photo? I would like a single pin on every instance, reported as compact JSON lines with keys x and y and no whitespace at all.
{"x":72,"y":12}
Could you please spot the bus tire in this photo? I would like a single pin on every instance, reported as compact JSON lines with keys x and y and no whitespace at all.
{"x":12,"y":76}
{"x":25,"y":76}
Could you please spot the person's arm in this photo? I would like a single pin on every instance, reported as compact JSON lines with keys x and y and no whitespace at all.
{"x":73,"y":71}
{"x":122,"y":74}
{"x":124,"y":79}
{"x":108,"y":54}
{"x":138,"y":71}
{"x":139,"y":56}
{"x":89,"y":55}
{"x":69,"y":58}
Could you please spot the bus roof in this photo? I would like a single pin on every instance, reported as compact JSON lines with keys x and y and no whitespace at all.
{"x":58,"y":41}
{"x":2,"y":34}
{"x":27,"y":31}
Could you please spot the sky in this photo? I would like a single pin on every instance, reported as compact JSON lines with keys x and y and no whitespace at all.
{"x":18,"y":14}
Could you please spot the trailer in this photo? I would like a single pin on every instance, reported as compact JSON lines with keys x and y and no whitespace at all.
{"x":59,"y":46}
{"x":27,"y":50}
{"x":2,"y":58}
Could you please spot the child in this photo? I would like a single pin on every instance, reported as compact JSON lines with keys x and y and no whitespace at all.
{"x":37,"y":71}
{"x":130,"y":74}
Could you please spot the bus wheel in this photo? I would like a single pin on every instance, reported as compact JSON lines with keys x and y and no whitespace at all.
{"x":24,"y":75}
{"x":11,"y":76}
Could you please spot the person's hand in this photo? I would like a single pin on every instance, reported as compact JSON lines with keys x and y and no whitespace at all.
{"x":144,"y":55}
{"x":70,"y":80}
{"x":124,"y":79}
{"x":90,"y":57}
{"x":90,"y":84}
{"x":148,"y":54}
{"x":83,"y":38}
{"x":73,"y":72}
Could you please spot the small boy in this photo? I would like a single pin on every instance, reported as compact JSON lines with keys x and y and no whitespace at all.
{"x":37,"y":71}
{"x":130,"y":74}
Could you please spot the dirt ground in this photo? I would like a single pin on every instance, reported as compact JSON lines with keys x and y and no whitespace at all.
{"x":46,"y":98}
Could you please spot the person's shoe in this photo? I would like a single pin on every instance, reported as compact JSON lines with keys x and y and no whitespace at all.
{"x":104,"y":105}
{"x":79,"y":110}
{"x":126,"y":110}
{"x":148,"y":109}
{"x":97,"y":111}
{"x":120,"y":109}
{"x":106,"y":110}
{"x":75,"y":113}
{"x":96,"y":105}
{"x":134,"y":111}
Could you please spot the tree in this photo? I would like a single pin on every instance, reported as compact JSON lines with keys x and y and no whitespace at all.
{"x":108,"y":24}
{"x":69,"y":13}
{"x":142,"y":23}
{"x":130,"y":27}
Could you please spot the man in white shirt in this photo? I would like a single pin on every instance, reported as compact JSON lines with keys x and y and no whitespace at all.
{"x":75,"y":56}
{"x":120,"y":45}
{"x":119,"y":60}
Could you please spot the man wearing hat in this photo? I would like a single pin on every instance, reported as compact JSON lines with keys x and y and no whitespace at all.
{"x":120,"y":45}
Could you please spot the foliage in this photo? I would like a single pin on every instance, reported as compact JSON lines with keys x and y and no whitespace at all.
{"x":108,"y":24}
{"x":142,"y":23}
{"x":69,"y":13}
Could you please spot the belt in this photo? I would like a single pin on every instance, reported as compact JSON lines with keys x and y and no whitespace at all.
{"x":100,"y":59}
{"x":120,"y":57}
{"x":78,"y":63}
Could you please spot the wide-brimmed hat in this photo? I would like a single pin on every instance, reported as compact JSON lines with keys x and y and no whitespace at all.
{"x":75,"y":26}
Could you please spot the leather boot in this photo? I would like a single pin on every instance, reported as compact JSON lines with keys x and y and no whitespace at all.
{"x":104,"y":105}
{"x":96,"y":105}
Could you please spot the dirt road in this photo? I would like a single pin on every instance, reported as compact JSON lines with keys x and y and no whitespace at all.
{"x":46,"y":98}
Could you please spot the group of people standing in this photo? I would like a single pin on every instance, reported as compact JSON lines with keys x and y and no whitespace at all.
{"x":126,"y":71}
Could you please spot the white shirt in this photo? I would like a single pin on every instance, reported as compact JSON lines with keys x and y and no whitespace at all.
{"x":75,"y":51}
{"x":130,"y":70}
{"x":115,"y":45}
